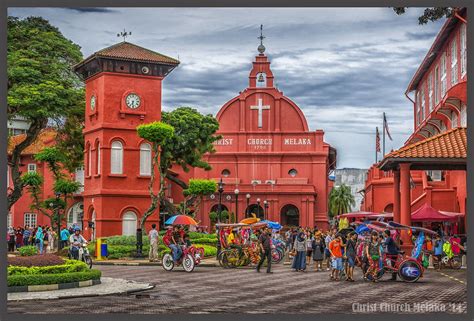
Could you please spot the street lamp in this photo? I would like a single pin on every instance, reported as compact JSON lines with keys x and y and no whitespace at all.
{"x":58,"y":195}
{"x":258,"y":207}
{"x":236,"y":192}
{"x":220,"y":189}
{"x":265,"y":205}
{"x":247,"y":214}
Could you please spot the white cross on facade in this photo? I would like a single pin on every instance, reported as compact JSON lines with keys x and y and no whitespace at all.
{"x":260,"y":109}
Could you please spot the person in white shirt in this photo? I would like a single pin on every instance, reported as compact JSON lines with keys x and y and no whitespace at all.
{"x":153,"y":236}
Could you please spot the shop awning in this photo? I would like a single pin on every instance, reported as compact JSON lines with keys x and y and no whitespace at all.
{"x":428,"y":214}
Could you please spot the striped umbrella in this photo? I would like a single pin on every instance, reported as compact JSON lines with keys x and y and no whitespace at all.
{"x":181,"y":220}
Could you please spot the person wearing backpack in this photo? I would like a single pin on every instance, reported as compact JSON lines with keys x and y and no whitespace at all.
{"x":438,"y":250}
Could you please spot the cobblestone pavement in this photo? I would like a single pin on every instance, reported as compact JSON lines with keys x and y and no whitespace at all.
{"x":217,"y":290}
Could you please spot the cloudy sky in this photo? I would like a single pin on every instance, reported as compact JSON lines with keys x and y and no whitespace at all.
{"x":343,"y":67}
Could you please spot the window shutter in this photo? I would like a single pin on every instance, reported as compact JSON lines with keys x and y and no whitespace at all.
{"x":145,"y":159}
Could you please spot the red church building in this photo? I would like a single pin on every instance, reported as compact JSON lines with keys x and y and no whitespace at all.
{"x":272,"y":165}
{"x":431,"y":167}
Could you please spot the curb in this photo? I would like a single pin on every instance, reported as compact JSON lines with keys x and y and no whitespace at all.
{"x":52,"y":287}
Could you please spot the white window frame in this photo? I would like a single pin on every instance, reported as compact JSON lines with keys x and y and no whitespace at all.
{"x":116,"y":157}
{"x":9,"y":219}
{"x":454,"y":120}
{"x":423,"y":103}
{"x":430,"y":92}
{"x":129,"y":216}
{"x":145,"y":159}
{"x":454,"y":62}
{"x":417,"y":109}
{"x":444,"y":81}
{"x":30,"y":218}
{"x":436,"y":85}
{"x":89,"y":161}
{"x":463,"y":50}
{"x":464,"y":115}
{"x":31,"y":168}
{"x":98,"y":159}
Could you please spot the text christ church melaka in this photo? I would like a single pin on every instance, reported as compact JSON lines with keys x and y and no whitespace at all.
{"x":266,"y":153}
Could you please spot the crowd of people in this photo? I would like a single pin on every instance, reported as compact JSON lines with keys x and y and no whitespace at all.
{"x":43,"y":237}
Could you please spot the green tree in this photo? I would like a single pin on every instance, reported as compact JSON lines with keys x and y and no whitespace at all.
{"x":198,"y":188}
{"x":341,"y":200}
{"x":195,"y":134}
{"x":158,"y":134}
{"x":63,"y":185}
{"x":429,"y":14}
{"x":42,"y":87}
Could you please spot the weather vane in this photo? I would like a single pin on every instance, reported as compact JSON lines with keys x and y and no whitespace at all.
{"x":124,"y":34}
{"x":261,"y":48}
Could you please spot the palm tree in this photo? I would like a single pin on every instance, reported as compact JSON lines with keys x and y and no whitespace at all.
{"x":341,"y":200}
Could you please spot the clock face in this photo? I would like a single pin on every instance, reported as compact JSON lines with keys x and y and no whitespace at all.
{"x":92,"y":103}
{"x":132,"y":101}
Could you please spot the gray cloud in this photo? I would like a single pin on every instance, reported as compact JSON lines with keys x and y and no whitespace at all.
{"x":344,"y":67}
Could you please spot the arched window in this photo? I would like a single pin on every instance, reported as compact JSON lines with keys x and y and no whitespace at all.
{"x":129,"y":223}
{"x":116,"y":158}
{"x":97,"y":168}
{"x":145,"y":159}
{"x":292,"y":172}
{"x":89,"y":160}
{"x":74,"y":216}
{"x":225,"y":173}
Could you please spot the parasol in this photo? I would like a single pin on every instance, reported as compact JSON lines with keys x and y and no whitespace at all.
{"x":250,"y":220}
{"x":181,"y":220}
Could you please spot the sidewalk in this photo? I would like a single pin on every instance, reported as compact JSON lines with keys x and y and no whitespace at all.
{"x":206,"y":262}
{"x":107,"y":287}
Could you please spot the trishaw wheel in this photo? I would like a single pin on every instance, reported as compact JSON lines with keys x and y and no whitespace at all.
{"x":409,"y":271}
{"x":456,"y":263}
{"x":233,"y":259}
{"x":188,"y":263}
{"x":167,"y":262}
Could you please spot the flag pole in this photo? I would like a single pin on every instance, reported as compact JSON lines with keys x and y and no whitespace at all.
{"x":376,"y":133}
{"x":383,"y":141}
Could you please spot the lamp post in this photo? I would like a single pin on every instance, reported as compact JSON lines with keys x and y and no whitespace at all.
{"x":258,"y":207}
{"x":265,"y":213}
{"x":58,"y":195}
{"x":247,"y":214}
{"x":220,"y":189}
{"x":236,"y":192}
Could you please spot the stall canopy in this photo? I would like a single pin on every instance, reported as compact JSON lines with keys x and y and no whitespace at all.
{"x":361,"y":214}
{"x":428,"y":214}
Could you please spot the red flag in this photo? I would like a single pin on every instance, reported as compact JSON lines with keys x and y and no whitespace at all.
{"x":385,"y":126}
{"x":377,"y":139}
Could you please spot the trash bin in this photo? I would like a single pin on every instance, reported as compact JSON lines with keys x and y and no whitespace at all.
{"x":103,"y":249}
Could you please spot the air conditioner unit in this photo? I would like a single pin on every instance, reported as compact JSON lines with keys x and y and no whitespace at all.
{"x":256,"y":182}
{"x":270,"y":181}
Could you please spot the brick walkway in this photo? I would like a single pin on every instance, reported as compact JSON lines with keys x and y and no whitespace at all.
{"x":217,"y":290}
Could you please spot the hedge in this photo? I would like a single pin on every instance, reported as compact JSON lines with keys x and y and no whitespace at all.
{"x":43,"y":279}
{"x":70,"y":266}
{"x":28,"y":250}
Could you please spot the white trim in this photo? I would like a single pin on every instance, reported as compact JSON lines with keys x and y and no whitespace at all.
{"x":145,"y":159}
{"x":116,"y":158}
{"x":31,"y":168}
{"x":30,"y":219}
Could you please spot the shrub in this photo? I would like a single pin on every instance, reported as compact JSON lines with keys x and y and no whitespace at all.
{"x":35,"y":260}
{"x":41,"y":279}
{"x":69,"y":267}
{"x":28,"y":250}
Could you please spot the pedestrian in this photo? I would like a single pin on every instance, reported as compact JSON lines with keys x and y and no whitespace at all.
{"x":335,"y":250}
{"x":19,"y":237}
{"x":299,"y":261}
{"x":309,"y":246}
{"x":50,"y":237}
{"x":39,"y":239}
{"x":11,"y":239}
{"x":64,"y":237}
{"x":391,"y":250}
{"x":153,"y":236}
{"x":373,"y":255}
{"x":26,"y":235}
{"x":264,"y":243}
{"x":350,"y":254}
{"x":327,"y":240}
{"x":438,"y":250}
{"x":318,"y":246}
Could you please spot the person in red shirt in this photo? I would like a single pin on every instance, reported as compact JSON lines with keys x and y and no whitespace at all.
{"x":335,"y":249}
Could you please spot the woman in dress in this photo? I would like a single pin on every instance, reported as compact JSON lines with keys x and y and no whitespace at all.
{"x":318,"y":247}
{"x":309,"y":245}
{"x":299,"y":261}
{"x":39,"y":239}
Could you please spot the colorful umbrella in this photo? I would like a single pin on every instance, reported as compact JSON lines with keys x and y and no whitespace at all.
{"x":250,"y":220}
{"x":181,"y":220}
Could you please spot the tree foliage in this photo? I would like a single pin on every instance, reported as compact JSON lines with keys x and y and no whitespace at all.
{"x":158,"y":134}
{"x":198,"y":188}
{"x":42,"y":88}
{"x":341,"y":200}
{"x":429,"y":14}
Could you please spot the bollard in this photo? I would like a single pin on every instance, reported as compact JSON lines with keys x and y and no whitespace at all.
{"x":98,"y":250}
{"x":464,"y":262}
{"x":430,"y":260}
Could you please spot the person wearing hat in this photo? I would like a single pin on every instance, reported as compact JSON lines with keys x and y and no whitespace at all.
{"x":76,"y":240}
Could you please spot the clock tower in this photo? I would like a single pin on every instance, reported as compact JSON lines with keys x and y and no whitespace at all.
{"x":123,"y":90}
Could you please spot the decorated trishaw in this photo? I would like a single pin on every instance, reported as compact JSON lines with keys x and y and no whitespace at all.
{"x":409,"y":268}
{"x":190,"y":255}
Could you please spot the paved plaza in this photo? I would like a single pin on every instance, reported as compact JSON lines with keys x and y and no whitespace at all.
{"x":217,"y":290}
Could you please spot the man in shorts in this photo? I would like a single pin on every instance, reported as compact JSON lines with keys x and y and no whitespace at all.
{"x":350,"y":254}
{"x":335,"y":250}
